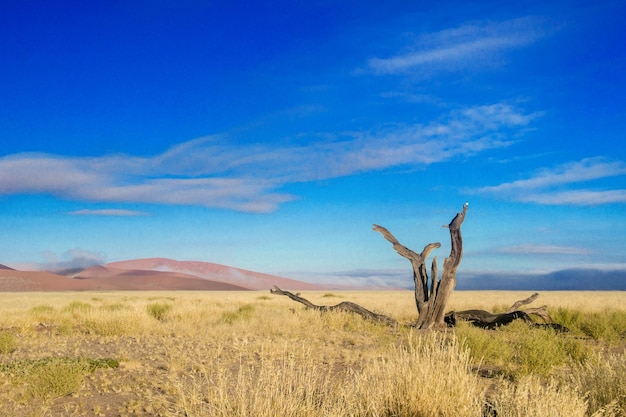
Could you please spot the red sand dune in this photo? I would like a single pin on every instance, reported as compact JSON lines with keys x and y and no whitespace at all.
{"x":214,"y":272}
{"x":46,"y":281}
{"x":11,"y":280}
{"x":146,"y":275}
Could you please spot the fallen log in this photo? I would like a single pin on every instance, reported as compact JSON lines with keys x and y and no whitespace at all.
{"x":487,"y":320}
{"x":343,"y":306}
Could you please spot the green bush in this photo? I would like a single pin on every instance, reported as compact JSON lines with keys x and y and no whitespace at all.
{"x":7,"y":342}
{"x":242,"y":313}
{"x":158,"y":310}
{"x":115,"y":307}
{"x":43,"y":308}
{"x":567,"y":317}
{"x":519,"y":349}
{"x":607,"y":326}
{"x":54,"y":377}
{"x":330,"y":295}
{"x":539,"y":351}
{"x":43,"y":313}
{"x":77,"y":307}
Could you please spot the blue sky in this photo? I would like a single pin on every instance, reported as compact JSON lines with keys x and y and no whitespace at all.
{"x":271,"y":135}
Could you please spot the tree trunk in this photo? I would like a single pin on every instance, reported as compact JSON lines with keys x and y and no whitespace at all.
{"x":432,"y":294}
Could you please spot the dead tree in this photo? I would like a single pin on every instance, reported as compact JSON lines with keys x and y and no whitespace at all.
{"x":432,"y":294}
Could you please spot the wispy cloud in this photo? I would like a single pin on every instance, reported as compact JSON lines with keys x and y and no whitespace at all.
{"x":530,"y":249}
{"x":216,"y":172}
{"x":561,"y":185}
{"x":70,"y":260}
{"x":108,"y":212}
{"x":468,"y":46}
{"x":361,"y":278}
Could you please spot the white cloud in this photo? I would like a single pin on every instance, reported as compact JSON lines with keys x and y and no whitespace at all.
{"x":573,"y":172}
{"x":108,"y":212}
{"x":530,"y":249}
{"x":468,"y":46}
{"x":362,"y":278}
{"x":578,"y":197}
{"x":216,"y":172}
{"x":546,"y":186}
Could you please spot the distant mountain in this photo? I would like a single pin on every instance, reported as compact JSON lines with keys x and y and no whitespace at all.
{"x":563,"y":280}
{"x":6,"y":267}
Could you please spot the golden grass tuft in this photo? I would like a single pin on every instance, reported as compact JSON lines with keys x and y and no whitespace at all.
{"x":532,"y":397}
{"x":426,"y":376}
{"x":603,"y":381}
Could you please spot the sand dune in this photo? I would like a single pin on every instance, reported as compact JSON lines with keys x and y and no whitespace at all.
{"x":215,"y":272}
{"x":148,"y":274}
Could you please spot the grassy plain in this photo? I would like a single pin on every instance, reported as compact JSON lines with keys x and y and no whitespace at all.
{"x":256,"y":354}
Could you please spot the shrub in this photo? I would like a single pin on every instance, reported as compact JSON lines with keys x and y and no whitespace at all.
{"x":115,"y":307}
{"x":77,"y":307}
{"x":158,"y":310}
{"x":540,"y":350}
{"x":608,"y":326}
{"x":568,"y":317}
{"x":330,"y":295}
{"x":54,"y":377}
{"x":7,"y":342}
{"x":485,"y":346}
{"x":43,"y":308}
{"x":520,"y":350}
{"x":597,"y":327}
{"x":43,"y":312}
{"x":244,"y":312}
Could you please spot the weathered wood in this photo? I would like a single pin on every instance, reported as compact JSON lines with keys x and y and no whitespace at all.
{"x":343,"y":306}
{"x":432,"y":295}
{"x":487,"y":320}
{"x":523,"y":302}
{"x":420,"y":277}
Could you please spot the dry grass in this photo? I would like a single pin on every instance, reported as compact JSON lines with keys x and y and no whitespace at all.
{"x":254,"y":354}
